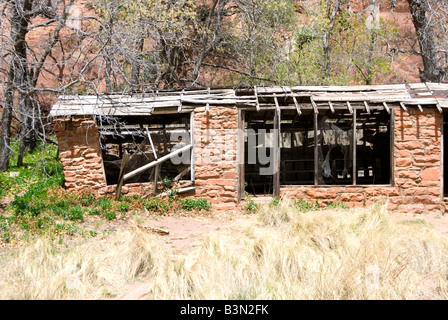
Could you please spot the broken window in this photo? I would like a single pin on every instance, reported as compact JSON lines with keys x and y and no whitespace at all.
{"x":259,"y":145}
{"x":297,"y":148}
{"x":373,"y":151}
{"x":340,"y":147}
{"x":158,"y":147}
{"x":334,"y":147}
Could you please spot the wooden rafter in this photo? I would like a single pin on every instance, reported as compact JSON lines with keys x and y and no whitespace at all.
{"x":314,"y":105}
{"x":403,"y":106}
{"x":366,"y":105}
{"x":350,"y":108}
{"x":386,"y":107}
{"x":151,"y":143}
{"x":299,"y":112}
{"x":256,"y":97}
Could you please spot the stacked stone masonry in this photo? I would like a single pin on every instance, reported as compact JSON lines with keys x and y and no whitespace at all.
{"x":215,"y":136}
{"x":417,"y":163}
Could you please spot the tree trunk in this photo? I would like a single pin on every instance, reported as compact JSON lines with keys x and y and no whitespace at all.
{"x":136,"y":65}
{"x":5,"y":135}
{"x":331,"y":15}
{"x":28,"y":140}
{"x":420,"y":12}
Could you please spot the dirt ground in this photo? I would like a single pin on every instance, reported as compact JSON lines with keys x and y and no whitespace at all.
{"x":185,"y":232}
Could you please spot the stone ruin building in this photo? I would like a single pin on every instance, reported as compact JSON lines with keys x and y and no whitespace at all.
{"x":351,"y":144}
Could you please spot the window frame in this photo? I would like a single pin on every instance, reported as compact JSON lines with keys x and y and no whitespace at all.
{"x":359,"y":105}
{"x":391,"y":112}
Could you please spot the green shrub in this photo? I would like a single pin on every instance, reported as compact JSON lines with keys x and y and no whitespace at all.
{"x":337,"y":205}
{"x":35,"y":200}
{"x":94,"y":212}
{"x":123,"y":207}
{"x":104,"y":203}
{"x":110,"y":215}
{"x":87,"y":199}
{"x":157,"y":205}
{"x":4,"y":229}
{"x":304,"y":205}
{"x":274,"y":203}
{"x":192,"y":204}
{"x":75,"y":213}
{"x":252,"y":206}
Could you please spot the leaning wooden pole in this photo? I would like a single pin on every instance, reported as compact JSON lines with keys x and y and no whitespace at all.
{"x":154,"y":163}
{"x":124,"y":165}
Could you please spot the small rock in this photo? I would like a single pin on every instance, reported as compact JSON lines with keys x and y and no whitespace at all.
{"x":14,"y":174}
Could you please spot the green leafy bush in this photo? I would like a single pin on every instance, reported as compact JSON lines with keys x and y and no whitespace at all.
{"x":123,"y":207}
{"x":305,"y":206}
{"x":110,"y":215}
{"x":193,"y":204}
{"x":252,"y":206}
{"x":75,"y":213}
{"x":157,"y":205}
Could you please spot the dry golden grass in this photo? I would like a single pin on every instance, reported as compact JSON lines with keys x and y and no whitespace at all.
{"x":277,"y":253}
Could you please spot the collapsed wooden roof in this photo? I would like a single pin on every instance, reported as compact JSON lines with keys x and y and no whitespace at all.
{"x":294,"y":97}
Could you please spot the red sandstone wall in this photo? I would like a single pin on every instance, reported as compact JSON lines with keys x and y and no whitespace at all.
{"x":417,"y":163}
{"x":80,"y":153}
{"x":417,"y":175}
{"x":215,"y":135}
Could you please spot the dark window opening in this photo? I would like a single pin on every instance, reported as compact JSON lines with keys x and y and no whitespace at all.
{"x":373,"y":147}
{"x":340,"y":147}
{"x":258,"y":152}
{"x":297,"y":148}
{"x":146,"y":139}
{"x":337,"y":148}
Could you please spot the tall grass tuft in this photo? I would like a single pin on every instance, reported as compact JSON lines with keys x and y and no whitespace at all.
{"x":280,"y":252}
{"x":97,"y":269}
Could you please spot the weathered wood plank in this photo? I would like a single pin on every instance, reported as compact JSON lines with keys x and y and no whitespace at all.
{"x":156,"y":162}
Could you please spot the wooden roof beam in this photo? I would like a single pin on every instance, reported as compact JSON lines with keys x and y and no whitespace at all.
{"x":207,"y":106}
{"x":366,"y":105}
{"x":277,"y":107}
{"x":179,"y":109}
{"x":299,"y":112}
{"x":403,"y":106}
{"x":349,"y":106}
{"x":256,"y":97}
{"x":156,"y":162}
{"x":331,"y":106}
{"x":386,"y":107}
{"x":152,"y":144}
{"x":314,"y":105}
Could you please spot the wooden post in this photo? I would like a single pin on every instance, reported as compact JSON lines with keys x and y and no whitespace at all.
{"x":192,"y":150}
{"x":152,"y":144}
{"x":124,"y":165}
{"x":241,"y":154}
{"x":156,"y":174}
{"x":316,"y":151}
{"x":392,"y":147}
{"x":354,"y":169}
{"x":277,"y":137}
